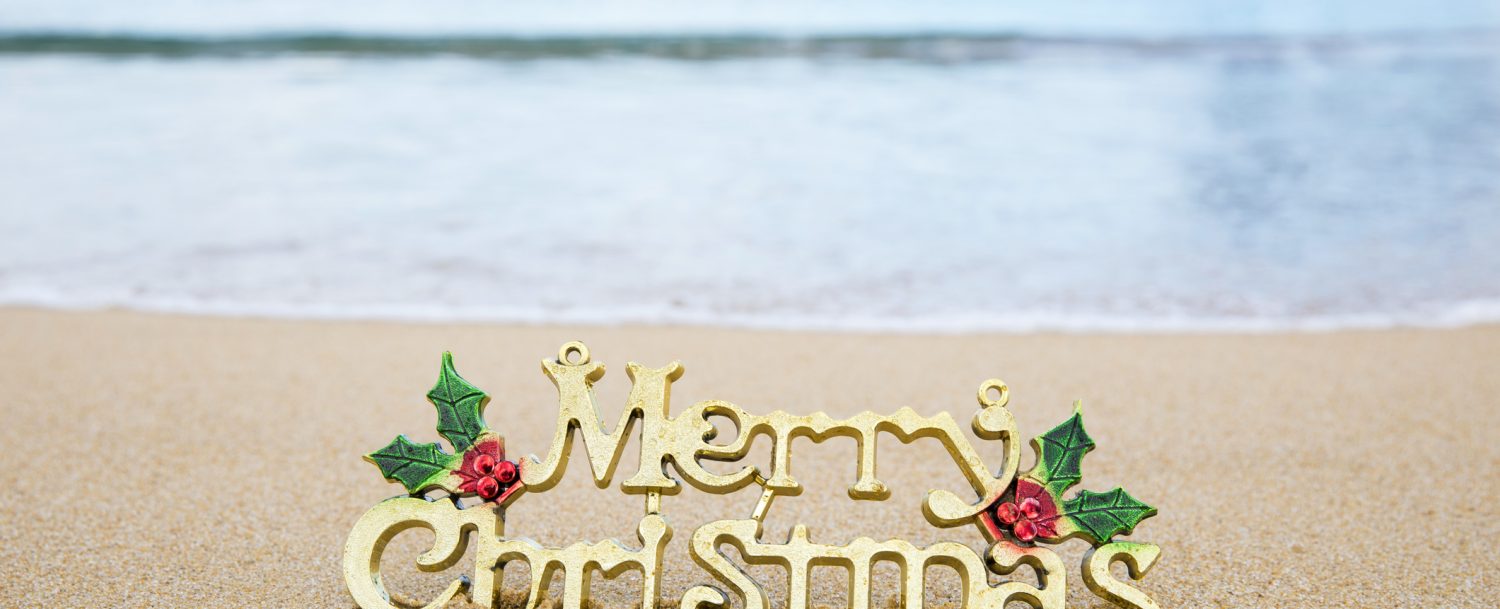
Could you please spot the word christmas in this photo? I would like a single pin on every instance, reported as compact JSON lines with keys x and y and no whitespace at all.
{"x":1015,"y":513}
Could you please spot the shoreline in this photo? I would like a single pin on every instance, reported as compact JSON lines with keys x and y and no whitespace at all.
{"x":201,"y":461}
{"x":1474,"y":314}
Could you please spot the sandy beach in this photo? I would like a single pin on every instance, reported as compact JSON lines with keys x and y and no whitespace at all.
{"x":155,"y":460}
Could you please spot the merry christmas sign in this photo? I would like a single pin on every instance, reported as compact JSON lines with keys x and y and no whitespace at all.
{"x":1020,"y":514}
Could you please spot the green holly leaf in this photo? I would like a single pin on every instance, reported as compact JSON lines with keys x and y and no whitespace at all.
{"x":1059,"y":466}
{"x":417,"y":467}
{"x":1104,"y":515}
{"x":460,"y":406}
{"x":1059,"y":454}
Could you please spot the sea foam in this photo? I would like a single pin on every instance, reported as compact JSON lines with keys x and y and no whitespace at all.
{"x":868,"y":182}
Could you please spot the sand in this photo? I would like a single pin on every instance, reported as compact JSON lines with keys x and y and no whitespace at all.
{"x":153,"y":460}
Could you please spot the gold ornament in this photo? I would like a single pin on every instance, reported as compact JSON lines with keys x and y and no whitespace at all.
{"x":1014,"y":513}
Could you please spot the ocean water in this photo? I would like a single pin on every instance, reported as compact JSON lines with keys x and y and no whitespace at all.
{"x":1122,"y":166}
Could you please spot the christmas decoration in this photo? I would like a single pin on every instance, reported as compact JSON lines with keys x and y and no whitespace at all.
{"x":1019,"y":514}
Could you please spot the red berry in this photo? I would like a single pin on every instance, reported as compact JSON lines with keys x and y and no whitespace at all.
{"x":484,"y":464}
{"x":505,"y":472}
{"x":1030,"y":507}
{"x":1007,"y":513}
{"x":487,"y":487}
{"x":1025,"y":531}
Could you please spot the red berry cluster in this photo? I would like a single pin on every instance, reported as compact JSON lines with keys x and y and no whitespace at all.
{"x":1031,"y":512}
{"x":486,"y":473}
{"x":495,"y":476}
{"x":1020,"y":517}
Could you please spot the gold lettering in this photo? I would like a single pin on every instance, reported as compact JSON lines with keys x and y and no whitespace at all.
{"x":1138,"y":559}
{"x":450,"y":527}
{"x":577,"y":563}
{"x":577,"y":409}
{"x":798,"y":555}
{"x":683,"y":442}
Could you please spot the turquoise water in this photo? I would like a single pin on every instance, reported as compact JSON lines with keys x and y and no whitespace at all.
{"x":1138,"y":170}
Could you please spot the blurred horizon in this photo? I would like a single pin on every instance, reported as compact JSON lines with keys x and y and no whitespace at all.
{"x":966,"y":166}
{"x":1129,"y":18}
